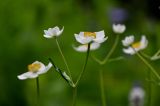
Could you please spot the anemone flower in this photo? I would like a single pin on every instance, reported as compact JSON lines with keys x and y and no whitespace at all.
{"x":88,"y":37}
{"x":51,"y":32}
{"x":34,"y":70}
{"x":134,"y":47}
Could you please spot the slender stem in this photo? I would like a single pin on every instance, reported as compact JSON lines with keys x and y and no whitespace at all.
{"x":116,"y":59}
{"x":38,"y":91}
{"x":149,"y":75}
{"x":149,"y":66}
{"x":84,"y":67}
{"x":101,"y":72}
{"x":64,"y":59}
{"x":74,"y":96}
{"x":96,"y":59}
{"x":145,"y":55}
{"x":102,"y":88}
{"x":109,"y":54}
{"x":112,"y":50}
{"x":156,"y":55}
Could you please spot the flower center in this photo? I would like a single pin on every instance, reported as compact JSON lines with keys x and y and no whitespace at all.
{"x":90,"y":34}
{"x":136,"y":45}
{"x":34,"y":67}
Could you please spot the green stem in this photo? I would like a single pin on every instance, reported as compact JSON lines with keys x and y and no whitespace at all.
{"x":149,"y":75}
{"x":109,"y":54}
{"x":84,"y":67}
{"x":145,"y":55}
{"x":149,"y":66}
{"x":38,"y":91}
{"x":102,"y":63}
{"x":102,"y":88}
{"x":116,"y":59}
{"x":65,"y":62}
{"x":111,"y":51}
{"x":156,"y":56}
{"x":74,"y":96}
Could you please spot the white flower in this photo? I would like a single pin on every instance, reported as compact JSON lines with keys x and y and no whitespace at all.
{"x":134,"y":47}
{"x":83,"y":48}
{"x":128,"y":40}
{"x":136,"y":96}
{"x":34,"y":70}
{"x":87,"y":37}
{"x":51,"y":32}
{"x":118,"y":28}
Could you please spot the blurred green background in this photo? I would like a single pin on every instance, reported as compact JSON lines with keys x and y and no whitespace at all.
{"x":21,"y":42}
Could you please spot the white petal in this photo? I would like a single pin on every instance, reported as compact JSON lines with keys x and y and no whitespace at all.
{"x":27,"y":75}
{"x":100,"y":34}
{"x":77,"y":37}
{"x":47,"y":33}
{"x":81,"y":48}
{"x":100,"y":40}
{"x":129,"y":50}
{"x":60,"y":31}
{"x":22,"y":77}
{"x":83,"y":40}
{"x":47,"y":36}
{"x":118,"y":28}
{"x":94,"y":46}
{"x":42,"y":68}
{"x":128,"y":40}
{"x":144,"y":42}
{"x":46,"y":68}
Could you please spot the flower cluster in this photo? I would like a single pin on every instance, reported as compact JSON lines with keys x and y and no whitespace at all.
{"x":92,"y":41}
{"x":84,"y":38}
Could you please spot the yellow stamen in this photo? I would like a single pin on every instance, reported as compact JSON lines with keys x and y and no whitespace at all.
{"x":136,"y":45}
{"x":34,"y":67}
{"x":89,"y":34}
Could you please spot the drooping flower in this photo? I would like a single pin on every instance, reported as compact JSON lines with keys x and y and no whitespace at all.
{"x":88,"y":37}
{"x":51,"y":32}
{"x":136,"y":96}
{"x":34,"y":70}
{"x":83,"y":48}
{"x":134,"y":47}
{"x":119,"y":28}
